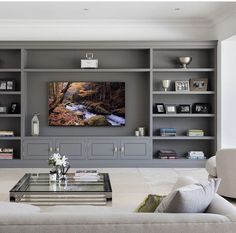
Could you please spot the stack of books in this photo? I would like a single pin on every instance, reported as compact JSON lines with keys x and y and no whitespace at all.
{"x":195,"y":133}
{"x":196,"y":155}
{"x":6,"y":153}
{"x":86,"y":175}
{"x":4,"y":133}
{"x":166,"y":132}
{"x":167,"y":154}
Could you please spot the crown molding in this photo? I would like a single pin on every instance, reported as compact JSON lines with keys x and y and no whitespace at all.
{"x":176,"y":23}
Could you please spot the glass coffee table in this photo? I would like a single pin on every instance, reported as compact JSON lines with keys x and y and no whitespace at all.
{"x":37,"y":189}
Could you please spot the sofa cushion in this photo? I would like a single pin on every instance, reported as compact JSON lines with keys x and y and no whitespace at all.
{"x":14,"y":208}
{"x":193,"y":198}
{"x":85,"y":209}
{"x":211,"y":166}
{"x":149,"y":204}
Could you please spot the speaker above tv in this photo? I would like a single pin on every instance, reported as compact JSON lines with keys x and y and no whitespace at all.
{"x":86,"y":103}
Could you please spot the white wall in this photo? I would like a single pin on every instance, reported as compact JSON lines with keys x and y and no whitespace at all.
{"x":224,"y":30}
{"x":228,"y":94}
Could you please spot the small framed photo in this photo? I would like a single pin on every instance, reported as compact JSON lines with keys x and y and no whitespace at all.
{"x":170,"y":108}
{"x":3,"y":109}
{"x":3,"y":85}
{"x":201,"y":108}
{"x":15,"y":108}
{"x":184,"y":108}
{"x":160,"y":108}
{"x":198,"y":84}
{"x":181,"y":86}
{"x":10,"y":86}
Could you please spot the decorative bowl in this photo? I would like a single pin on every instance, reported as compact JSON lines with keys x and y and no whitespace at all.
{"x":184,"y":61}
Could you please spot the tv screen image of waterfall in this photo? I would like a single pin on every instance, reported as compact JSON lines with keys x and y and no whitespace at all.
{"x":86,"y":103}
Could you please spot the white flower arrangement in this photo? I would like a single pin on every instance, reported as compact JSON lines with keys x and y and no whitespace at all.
{"x":57,"y":160}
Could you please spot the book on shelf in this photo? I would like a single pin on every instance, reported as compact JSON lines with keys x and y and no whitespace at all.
{"x":167,"y":154}
{"x":167,"y":132}
{"x":196,"y":155}
{"x":195,"y":133}
{"x":6,"y":150}
{"x":6,"y":156}
{"x":5,"y":133}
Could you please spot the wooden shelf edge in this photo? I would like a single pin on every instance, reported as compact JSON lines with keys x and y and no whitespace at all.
{"x":89,"y":70}
{"x":9,"y":70}
{"x":183,"y":70}
{"x":10,"y":115}
{"x":10,"y":92}
{"x":183,"y":115}
{"x":183,"y":138}
{"x":183,"y":93}
{"x":10,"y":138}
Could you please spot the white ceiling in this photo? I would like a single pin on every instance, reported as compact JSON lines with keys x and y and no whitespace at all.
{"x":163,"y":11}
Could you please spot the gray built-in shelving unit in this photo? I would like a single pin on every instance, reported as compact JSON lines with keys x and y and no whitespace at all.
{"x":142,"y":66}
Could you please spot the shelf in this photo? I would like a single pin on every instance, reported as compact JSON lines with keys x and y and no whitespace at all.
{"x":183,"y":93}
{"x":183,"y":70}
{"x":10,"y":115}
{"x":10,"y":138}
{"x":87,"y":70}
{"x":183,"y":115}
{"x":10,"y":92}
{"x":182,"y":138}
{"x":10,"y":70}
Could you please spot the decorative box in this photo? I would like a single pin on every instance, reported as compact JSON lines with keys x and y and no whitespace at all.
{"x":89,"y":62}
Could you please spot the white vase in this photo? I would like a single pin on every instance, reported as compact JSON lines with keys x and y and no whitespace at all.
{"x":166,"y":84}
{"x":35,"y":125}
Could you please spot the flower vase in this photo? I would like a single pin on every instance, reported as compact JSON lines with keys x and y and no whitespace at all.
{"x":64,"y":170}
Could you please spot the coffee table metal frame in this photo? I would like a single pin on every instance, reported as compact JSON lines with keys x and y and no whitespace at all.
{"x":65,"y":192}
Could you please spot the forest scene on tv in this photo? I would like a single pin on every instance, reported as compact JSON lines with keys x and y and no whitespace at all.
{"x":86,"y":104}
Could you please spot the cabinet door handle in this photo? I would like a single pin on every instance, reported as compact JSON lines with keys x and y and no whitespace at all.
{"x":122,"y":149}
{"x":115,"y":149}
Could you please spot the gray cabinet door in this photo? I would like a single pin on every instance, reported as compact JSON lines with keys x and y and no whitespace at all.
{"x":71,"y":148}
{"x":103,"y":149}
{"x":135,"y":149}
{"x":37,"y":148}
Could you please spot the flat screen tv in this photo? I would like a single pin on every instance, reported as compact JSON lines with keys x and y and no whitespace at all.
{"x":86,"y":104}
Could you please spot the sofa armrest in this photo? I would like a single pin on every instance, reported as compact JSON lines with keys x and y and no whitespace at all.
{"x":221,"y":206}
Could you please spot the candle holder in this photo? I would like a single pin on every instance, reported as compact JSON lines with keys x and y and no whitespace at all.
{"x":166,"y":84}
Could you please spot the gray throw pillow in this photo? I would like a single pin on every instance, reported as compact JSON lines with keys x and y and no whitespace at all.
{"x":194,"y":198}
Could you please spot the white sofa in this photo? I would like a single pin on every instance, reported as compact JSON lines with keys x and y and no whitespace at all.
{"x":220,"y":217}
{"x":223,"y":166}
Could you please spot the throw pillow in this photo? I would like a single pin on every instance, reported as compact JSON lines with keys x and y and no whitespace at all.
{"x":149,"y":204}
{"x":193,"y":198}
{"x":183,"y":181}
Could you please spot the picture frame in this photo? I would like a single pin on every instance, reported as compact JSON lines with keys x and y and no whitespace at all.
{"x":3,"y":85}
{"x":170,"y":108}
{"x":14,"y":108}
{"x":182,"y":86}
{"x":160,"y":108}
{"x":184,"y":108}
{"x":10,"y":86}
{"x":3,"y":109}
{"x":198,"y":84}
{"x":201,"y":108}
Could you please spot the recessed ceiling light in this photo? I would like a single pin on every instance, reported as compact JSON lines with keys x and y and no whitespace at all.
{"x":177,"y":9}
